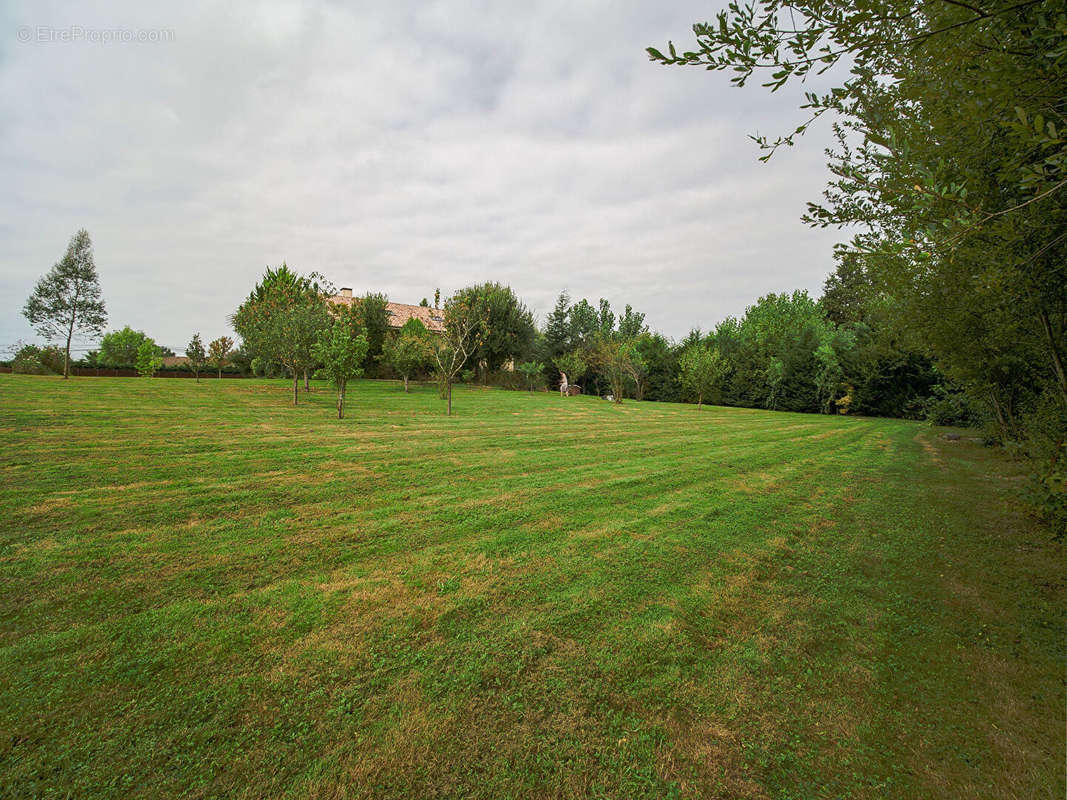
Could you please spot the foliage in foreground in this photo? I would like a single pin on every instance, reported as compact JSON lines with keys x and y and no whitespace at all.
{"x":952,"y":162}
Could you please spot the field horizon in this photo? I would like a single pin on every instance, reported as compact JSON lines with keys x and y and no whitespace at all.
{"x":209,"y":592}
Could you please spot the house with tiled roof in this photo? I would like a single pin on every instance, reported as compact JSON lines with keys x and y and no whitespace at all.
{"x":399,"y":313}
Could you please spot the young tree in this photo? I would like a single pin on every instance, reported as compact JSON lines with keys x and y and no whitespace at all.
{"x":219,"y":352}
{"x":341,"y":351}
{"x":292,"y":334}
{"x":458,"y":343}
{"x":702,"y":369}
{"x":279,"y":289}
{"x":196,"y":354}
{"x":67,"y":300}
{"x":531,"y":369}
{"x":120,"y":348}
{"x":614,"y":360}
{"x":410,"y":350}
{"x":148,"y":358}
{"x":637,"y":369}
{"x":372,"y":314}
{"x":573,"y":365}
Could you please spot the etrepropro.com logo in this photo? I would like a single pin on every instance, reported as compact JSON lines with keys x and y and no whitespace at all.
{"x":72,"y":34}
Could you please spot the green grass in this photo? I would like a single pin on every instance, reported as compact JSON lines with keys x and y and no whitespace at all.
{"x":207,"y":592}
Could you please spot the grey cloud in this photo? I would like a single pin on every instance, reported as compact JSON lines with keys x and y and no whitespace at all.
{"x":396,"y":147}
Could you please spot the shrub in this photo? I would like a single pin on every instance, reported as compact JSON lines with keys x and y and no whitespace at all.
{"x":33,"y":360}
{"x":951,"y":407}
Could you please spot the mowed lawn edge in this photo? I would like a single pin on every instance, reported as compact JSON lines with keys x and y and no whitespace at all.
{"x":208,"y":592}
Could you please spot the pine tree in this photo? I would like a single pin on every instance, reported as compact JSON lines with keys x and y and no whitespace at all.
{"x":557,"y":327}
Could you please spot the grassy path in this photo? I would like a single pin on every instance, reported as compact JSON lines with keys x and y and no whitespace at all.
{"x":206,"y":592}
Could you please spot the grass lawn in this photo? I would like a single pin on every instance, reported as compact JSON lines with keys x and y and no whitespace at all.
{"x":207,"y":592}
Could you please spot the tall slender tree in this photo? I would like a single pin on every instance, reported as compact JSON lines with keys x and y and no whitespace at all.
{"x":196,"y":354}
{"x":410,"y":350}
{"x":341,"y":348}
{"x":461,"y":339}
{"x":67,"y":300}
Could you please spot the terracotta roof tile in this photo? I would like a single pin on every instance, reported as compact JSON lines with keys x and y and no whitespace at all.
{"x":399,"y":313}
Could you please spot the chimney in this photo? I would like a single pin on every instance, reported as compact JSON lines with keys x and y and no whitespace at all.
{"x":346,"y":293}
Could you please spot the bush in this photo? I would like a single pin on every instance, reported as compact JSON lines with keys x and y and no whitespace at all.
{"x":34,"y":360}
{"x":951,"y":407}
{"x":505,"y":379}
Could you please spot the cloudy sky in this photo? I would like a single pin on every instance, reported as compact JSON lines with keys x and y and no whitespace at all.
{"x":394,"y":147}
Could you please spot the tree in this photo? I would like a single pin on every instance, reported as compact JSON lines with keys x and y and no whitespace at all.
{"x":458,"y":343}
{"x":584,"y":323}
{"x":531,"y":369}
{"x":278,"y":289}
{"x":29,"y":359}
{"x":372,"y":314}
{"x":410,"y":350}
{"x":701,"y":370}
{"x":341,"y":351}
{"x":291,"y":334}
{"x":67,"y":300}
{"x":557,"y":327}
{"x":505,"y":326}
{"x":631,"y":323}
{"x":219,"y":352}
{"x":120,"y":348}
{"x":280,"y":320}
{"x":660,"y":360}
{"x":196,"y":354}
{"x":606,"y":318}
{"x":951,"y":162}
{"x":573,"y":365}
{"x":148,"y":358}
{"x":614,"y":360}
{"x":637,"y":369}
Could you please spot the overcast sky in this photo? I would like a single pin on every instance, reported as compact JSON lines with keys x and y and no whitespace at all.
{"x":394,"y":147}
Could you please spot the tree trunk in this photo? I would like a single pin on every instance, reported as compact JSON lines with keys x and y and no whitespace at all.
{"x":66,"y":353}
{"x":296,"y":386}
{"x":405,"y":383}
{"x":307,"y":386}
{"x":700,"y":401}
{"x":999,"y":413}
{"x":220,"y":372}
{"x":341,"y":401}
{"x":1057,"y":360}
{"x":70,"y":331}
{"x":450,"y":397}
